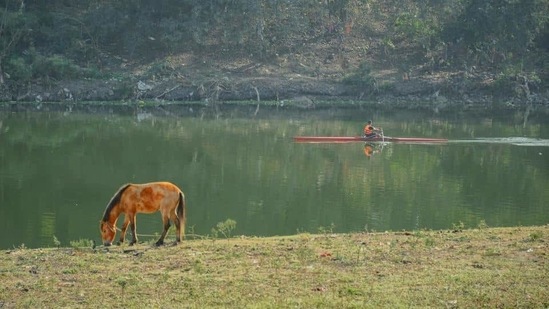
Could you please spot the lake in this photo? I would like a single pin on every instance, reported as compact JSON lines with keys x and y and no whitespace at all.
{"x":58,"y":171}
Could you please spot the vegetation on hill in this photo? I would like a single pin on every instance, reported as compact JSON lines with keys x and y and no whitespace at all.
{"x":274,"y":49}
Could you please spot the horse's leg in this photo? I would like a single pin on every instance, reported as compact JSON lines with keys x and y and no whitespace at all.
{"x":166,"y":222}
{"x":133,"y":227}
{"x":177,"y":221}
{"x":123,"y":230}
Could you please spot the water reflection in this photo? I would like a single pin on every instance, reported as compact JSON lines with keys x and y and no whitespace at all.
{"x":57,"y":174}
{"x":371,"y":149}
{"x":517,"y":141}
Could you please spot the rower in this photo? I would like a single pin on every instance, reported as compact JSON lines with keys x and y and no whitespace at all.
{"x":370,"y":131}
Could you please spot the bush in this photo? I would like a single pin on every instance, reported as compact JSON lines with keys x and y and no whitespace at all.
{"x":224,"y":228}
{"x":82,"y":243}
{"x":57,"y":67}
{"x":361,"y":77}
{"x":35,"y":66}
{"x":18,"y":69}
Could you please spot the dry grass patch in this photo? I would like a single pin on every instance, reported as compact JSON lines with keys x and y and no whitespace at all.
{"x":504,"y":267}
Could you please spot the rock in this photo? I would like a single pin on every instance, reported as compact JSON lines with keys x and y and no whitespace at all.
{"x":141,"y":86}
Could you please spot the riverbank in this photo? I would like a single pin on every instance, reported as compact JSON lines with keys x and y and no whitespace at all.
{"x":189,"y":83}
{"x":294,"y":108}
{"x":484,"y":267}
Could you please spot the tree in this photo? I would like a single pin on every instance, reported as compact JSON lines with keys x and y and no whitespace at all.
{"x":13,"y":30}
{"x":498,"y":29}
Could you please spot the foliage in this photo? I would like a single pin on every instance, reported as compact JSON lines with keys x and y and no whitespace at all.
{"x":536,"y":236}
{"x":56,"y":241}
{"x":326,"y":230}
{"x":502,"y":85}
{"x":82,"y":243}
{"x":18,"y":69}
{"x":361,"y":77}
{"x":56,"y":67}
{"x":513,"y":81}
{"x":36,"y":66}
{"x":65,"y":37}
{"x":418,"y":30}
{"x":494,"y":31}
{"x":15,"y":27}
{"x":482,"y":225}
{"x":458,"y":226}
{"x":224,"y":228}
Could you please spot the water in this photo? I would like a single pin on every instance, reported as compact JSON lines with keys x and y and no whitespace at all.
{"x":58,"y":172}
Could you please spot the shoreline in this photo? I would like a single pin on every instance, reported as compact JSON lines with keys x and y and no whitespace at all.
{"x":252,"y":109}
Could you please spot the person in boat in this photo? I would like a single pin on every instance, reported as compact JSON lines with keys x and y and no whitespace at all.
{"x":370,"y":131}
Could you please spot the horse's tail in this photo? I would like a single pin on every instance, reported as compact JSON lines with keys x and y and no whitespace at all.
{"x":181,"y":213}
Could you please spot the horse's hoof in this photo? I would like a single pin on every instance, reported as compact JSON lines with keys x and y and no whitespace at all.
{"x":159,"y":243}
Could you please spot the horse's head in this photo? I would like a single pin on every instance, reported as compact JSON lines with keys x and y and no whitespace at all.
{"x":108,"y":231}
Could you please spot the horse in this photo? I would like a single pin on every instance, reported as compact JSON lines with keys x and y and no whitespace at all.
{"x":131,"y":199}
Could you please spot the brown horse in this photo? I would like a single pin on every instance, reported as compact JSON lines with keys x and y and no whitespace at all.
{"x":144,"y":198}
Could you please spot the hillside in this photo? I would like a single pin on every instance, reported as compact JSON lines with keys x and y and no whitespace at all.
{"x":398,"y":53}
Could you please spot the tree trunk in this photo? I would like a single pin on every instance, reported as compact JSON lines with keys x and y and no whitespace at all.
{"x":1,"y":73}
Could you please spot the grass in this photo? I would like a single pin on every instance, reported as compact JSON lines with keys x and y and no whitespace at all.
{"x":489,"y":267}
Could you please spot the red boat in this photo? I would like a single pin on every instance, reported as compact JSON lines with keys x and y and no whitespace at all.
{"x":350,"y":139}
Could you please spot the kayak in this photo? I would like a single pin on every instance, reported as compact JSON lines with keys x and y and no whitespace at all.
{"x":349,"y":139}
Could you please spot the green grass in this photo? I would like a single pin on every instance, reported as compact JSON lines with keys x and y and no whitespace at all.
{"x":488,"y":267}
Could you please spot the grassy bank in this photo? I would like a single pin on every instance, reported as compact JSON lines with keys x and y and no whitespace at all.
{"x":491,"y":267}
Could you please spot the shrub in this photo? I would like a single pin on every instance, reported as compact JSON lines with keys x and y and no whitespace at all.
{"x":361,"y":77}
{"x":82,"y":243}
{"x":18,"y":69}
{"x":32,"y":65}
{"x":57,"y":67}
{"x":224,"y":228}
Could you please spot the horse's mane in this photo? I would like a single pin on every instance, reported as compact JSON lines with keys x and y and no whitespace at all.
{"x":114,"y":201}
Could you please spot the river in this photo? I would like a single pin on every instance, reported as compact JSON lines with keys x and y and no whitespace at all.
{"x":58,"y":171}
